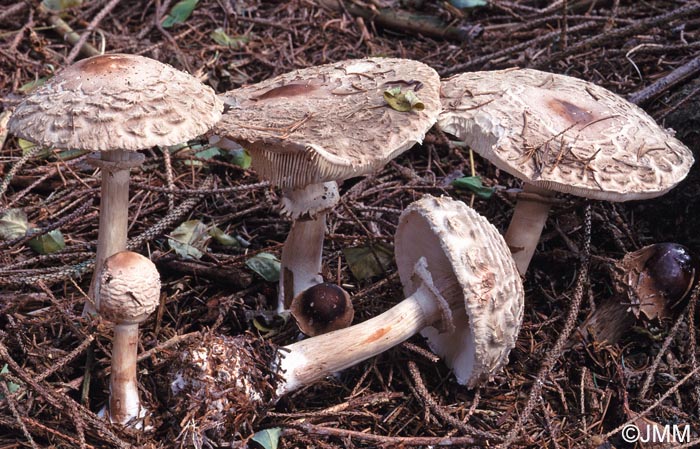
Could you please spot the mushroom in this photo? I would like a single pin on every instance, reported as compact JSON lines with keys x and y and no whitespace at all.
{"x":463,"y":291}
{"x":322,"y":308}
{"x":653,"y":282}
{"x":116,"y":104}
{"x":310,"y":128}
{"x":560,"y":134}
{"x":127,"y":291}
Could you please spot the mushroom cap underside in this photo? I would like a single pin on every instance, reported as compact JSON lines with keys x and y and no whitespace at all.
{"x":116,"y":102}
{"x":563,"y":134}
{"x":330,"y":122}
{"x":471,"y":265}
{"x":128,"y":288}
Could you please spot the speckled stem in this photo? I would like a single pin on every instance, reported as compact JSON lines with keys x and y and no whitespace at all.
{"x":114,"y":213}
{"x":526,"y":226}
{"x":301,"y":259}
{"x":124,"y":402}
{"x":311,"y":359}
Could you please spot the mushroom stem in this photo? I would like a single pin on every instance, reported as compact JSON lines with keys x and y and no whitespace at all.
{"x":529,"y":218}
{"x":301,"y":259}
{"x":114,"y":211}
{"x":124,"y":404}
{"x":311,"y":359}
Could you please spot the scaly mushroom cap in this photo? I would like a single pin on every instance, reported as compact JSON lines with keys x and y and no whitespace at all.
{"x":116,"y":102}
{"x":471,"y":265}
{"x":563,"y":134}
{"x":330,"y":122}
{"x":128,"y":288}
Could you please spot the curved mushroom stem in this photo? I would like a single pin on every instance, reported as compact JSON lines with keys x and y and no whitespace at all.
{"x":526,"y":226}
{"x":124,"y":404}
{"x":306,"y":361}
{"x":114,"y":210}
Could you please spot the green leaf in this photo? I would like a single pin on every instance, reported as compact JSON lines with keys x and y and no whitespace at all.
{"x":468,"y":3}
{"x":403,"y":101}
{"x":223,"y":238}
{"x":207,"y":154}
{"x":366,"y":262}
{"x":239,"y":157}
{"x":30,"y":86}
{"x":47,"y":243}
{"x":189,"y":239}
{"x":268,"y":438}
{"x":474,"y":184}
{"x":180,"y":12}
{"x":220,"y":37}
{"x":13,"y":224}
{"x":266,"y":265}
{"x":11,"y":386}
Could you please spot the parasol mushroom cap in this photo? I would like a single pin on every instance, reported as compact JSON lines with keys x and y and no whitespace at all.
{"x":330,"y":122}
{"x":470,"y":265}
{"x":563,"y":134}
{"x":322,"y":308}
{"x":117,"y":102}
{"x":128,"y":288}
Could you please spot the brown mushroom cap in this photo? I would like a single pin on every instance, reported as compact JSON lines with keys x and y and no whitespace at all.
{"x":128,"y":288}
{"x":471,"y":265}
{"x":116,"y":101}
{"x":563,"y":134}
{"x":322,"y":308}
{"x":329,"y":122}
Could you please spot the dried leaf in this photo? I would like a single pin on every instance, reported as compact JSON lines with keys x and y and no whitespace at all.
{"x":468,"y":3}
{"x":189,"y":239}
{"x":268,"y":438}
{"x":366,"y":262}
{"x":266,"y":265}
{"x":60,"y":5}
{"x":180,"y":12}
{"x":403,"y":101}
{"x":13,"y":224}
{"x":473,"y":183}
{"x":31,"y":85}
{"x":48,"y":243}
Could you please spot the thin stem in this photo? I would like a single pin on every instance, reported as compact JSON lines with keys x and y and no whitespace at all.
{"x":308,"y":360}
{"x":529,"y":218}
{"x":124,"y":402}
{"x":301,"y":259}
{"x":114,"y":214}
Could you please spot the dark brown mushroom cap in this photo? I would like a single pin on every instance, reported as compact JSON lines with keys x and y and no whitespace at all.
{"x":322,"y":308}
{"x":563,"y":134}
{"x":116,"y":102}
{"x":330,"y":122}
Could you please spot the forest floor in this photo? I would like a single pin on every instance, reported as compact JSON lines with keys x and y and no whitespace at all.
{"x":559,"y":390}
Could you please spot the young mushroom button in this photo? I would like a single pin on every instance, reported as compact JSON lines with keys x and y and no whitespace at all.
{"x":116,"y":104}
{"x":310,"y":128}
{"x":322,"y":308}
{"x":463,"y":291}
{"x":560,"y":134}
{"x":127,"y":292}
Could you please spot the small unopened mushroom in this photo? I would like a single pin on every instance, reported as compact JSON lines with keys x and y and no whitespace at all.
{"x":463,"y":291}
{"x":560,"y":134}
{"x":116,"y":104}
{"x":309,"y":128}
{"x":127,"y":292}
{"x":322,"y":308}
{"x":653,"y":282}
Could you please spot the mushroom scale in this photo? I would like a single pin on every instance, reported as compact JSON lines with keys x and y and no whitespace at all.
{"x":329,"y":122}
{"x":116,"y":101}
{"x":563,"y":134}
